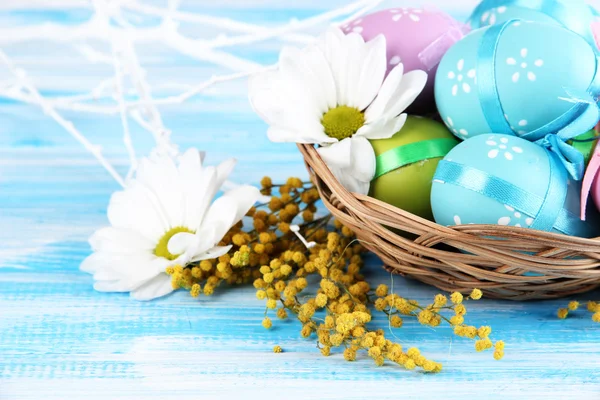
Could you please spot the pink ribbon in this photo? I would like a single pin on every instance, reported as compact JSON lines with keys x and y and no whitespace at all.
{"x":591,"y":175}
{"x":433,"y":53}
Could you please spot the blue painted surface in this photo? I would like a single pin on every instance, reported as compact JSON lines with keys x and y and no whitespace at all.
{"x":60,"y":340}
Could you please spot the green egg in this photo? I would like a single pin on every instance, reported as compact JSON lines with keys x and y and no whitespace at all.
{"x":585,"y":145}
{"x":406,"y":163}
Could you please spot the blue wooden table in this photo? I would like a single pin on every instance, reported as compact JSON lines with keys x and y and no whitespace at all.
{"x":61,"y":340}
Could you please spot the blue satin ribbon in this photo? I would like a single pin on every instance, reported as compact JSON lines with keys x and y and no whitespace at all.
{"x":580,"y":118}
{"x":548,"y":212}
{"x":487,"y":83}
{"x":552,"y":8}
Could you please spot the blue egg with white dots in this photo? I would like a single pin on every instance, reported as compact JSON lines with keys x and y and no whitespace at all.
{"x":528,"y":75}
{"x":506,"y":180}
{"x":575,"y":15}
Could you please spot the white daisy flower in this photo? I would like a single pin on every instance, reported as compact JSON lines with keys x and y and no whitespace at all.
{"x":164,"y":217}
{"x":333,"y":94}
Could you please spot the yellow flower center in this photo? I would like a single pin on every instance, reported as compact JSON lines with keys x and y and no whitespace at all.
{"x":162,"y":248}
{"x":342,"y":122}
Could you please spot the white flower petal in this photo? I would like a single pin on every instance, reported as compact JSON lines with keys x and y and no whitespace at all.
{"x":362,"y":159}
{"x":220,"y":217}
{"x":205,"y":190}
{"x":224,"y":170}
{"x":338,"y":154}
{"x":206,"y":239}
{"x":356,"y":53}
{"x":331,"y":45}
{"x":411,"y":86}
{"x":317,"y":63}
{"x":213,"y":253}
{"x":304,"y":84}
{"x":382,"y":129}
{"x":195,"y":186}
{"x":245,"y":197}
{"x":120,"y":241}
{"x":124,"y":272}
{"x":264,"y":93}
{"x":138,"y":209}
{"x":399,"y":122}
{"x":350,"y":182}
{"x":160,"y":175}
{"x":93,"y":262}
{"x":309,"y":79}
{"x":352,"y":162}
{"x":181,"y":242}
{"x":372,"y":72}
{"x":286,"y":135}
{"x":393,"y":80}
{"x":157,"y":287}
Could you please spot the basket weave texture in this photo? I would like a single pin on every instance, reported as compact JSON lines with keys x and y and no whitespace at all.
{"x":504,"y":262}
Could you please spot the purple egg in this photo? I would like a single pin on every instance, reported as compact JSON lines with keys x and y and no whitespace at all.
{"x":416,"y":37}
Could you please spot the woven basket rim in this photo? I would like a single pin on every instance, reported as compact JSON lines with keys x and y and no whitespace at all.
{"x":550,"y":264}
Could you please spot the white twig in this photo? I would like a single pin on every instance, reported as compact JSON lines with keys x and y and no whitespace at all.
{"x":67,"y":125}
{"x":296,"y":230}
{"x":116,"y":52}
{"x":183,"y":97}
{"x":217,"y":22}
{"x":368,"y":7}
{"x":295,"y":25}
{"x":72,"y":103}
{"x":123,"y":110}
{"x":124,"y":38}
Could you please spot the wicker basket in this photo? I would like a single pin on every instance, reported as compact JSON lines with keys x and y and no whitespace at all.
{"x":526,"y":264}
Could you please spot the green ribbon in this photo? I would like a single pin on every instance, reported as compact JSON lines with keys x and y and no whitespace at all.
{"x":411,"y":153}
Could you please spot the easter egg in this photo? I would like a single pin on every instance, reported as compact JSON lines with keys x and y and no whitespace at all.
{"x":406,"y":162}
{"x":505,"y":180}
{"x":417,"y":38}
{"x":575,"y":15}
{"x":515,"y":79}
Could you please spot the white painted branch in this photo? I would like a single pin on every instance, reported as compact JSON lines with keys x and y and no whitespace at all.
{"x":368,"y":7}
{"x":67,"y":125}
{"x":217,"y":22}
{"x":363,"y":6}
{"x":123,"y":111}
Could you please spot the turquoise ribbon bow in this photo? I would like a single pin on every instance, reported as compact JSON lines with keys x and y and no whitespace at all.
{"x":580,"y":118}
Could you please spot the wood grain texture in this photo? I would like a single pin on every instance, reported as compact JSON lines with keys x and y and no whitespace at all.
{"x":61,"y":340}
